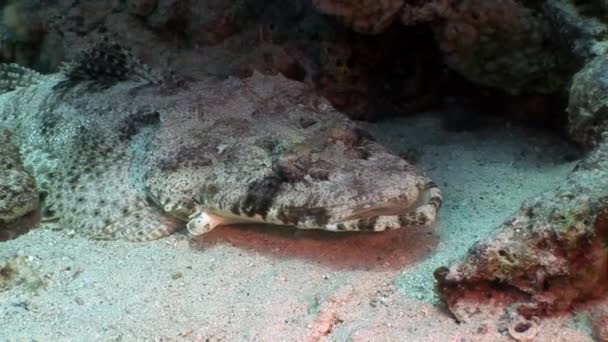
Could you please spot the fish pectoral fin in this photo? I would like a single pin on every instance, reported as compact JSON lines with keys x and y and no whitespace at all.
{"x":142,"y":225}
{"x":204,"y":222}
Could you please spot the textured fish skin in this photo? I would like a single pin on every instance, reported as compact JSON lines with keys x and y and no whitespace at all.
{"x":130,"y":160}
{"x":18,"y":195}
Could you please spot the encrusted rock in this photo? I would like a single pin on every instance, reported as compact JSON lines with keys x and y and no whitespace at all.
{"x":501,"y":44}
{"x":584,"y":36}
{"x":573,"y":29}
{"x":142,"y":8}
{"x":419,"y":12}
{"x":551,"y":253}
{"x":599,"y":320}
{"x":364,"y":16}
{"x":17,"y":272}
{"x":588,"y":103}
{"x":171,"y":15}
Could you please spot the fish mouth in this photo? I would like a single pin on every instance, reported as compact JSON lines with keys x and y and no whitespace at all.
{"x":366,"y":208}
{"x":371,"y":211}
{"x":390,"y":207}
{"x":316,"y":217}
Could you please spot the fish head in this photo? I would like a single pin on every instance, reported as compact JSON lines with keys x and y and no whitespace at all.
{"x":264,"y":155}
{"x":335,"y":178}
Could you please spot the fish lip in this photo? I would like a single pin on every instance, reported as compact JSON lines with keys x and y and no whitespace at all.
{"x":382,"y":209}
{"x":348,"y":211}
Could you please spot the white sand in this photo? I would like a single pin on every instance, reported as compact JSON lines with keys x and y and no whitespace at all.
{"x":268,"y":284}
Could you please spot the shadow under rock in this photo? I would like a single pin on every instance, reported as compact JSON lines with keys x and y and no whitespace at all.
{"x":389,"y":250}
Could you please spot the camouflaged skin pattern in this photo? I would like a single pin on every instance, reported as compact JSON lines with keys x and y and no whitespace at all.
{"x":133,"y":161}
{"x":18,"y":195}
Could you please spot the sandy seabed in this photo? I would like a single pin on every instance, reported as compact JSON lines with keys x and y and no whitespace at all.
{"x":260,"y":283}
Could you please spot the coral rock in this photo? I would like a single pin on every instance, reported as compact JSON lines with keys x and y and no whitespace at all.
{"x":142,"y":8}
{"x":500,"y":44}
{"x":17,"y":272}
{"x":587,"y":108}
{"x":364,"y":16}
{"x":551,"y":253}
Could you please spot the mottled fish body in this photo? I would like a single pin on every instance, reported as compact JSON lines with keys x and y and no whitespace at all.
{"x":134,"y":160}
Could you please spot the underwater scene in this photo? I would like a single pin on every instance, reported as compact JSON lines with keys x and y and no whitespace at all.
{"x":303,"y":170}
